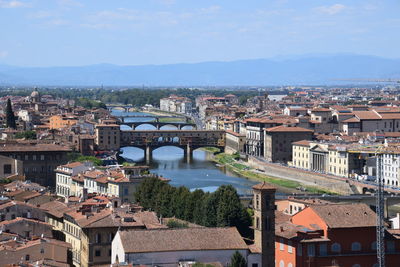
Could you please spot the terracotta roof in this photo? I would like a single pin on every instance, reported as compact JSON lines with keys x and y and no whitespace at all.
{"x":55,"y":208}
{"x":186,"y":239}
{"x":282,"y":128}
{"x":72,"y":165}
{"x":321,"y":110}
{"x":367,"y":115}
{"x":354,"y":119}
{"x":346,"y":215}
{"x":35,"y":147}
{"x":302,"y":143}
{"x":390,"y":116}
{"x":235,"y":134}
{"x":263,"y":186}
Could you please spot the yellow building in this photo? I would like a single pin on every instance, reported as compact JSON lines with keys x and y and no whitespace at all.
{"x":331,"y":158}
{"x":62,"y":121}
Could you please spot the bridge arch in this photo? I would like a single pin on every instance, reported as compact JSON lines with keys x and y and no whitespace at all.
{"x":169,"y":126}
{"x":145,"y":126}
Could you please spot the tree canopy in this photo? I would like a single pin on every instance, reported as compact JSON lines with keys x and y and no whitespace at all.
{"x":10,"y":117}
{"x":218,"y":209}
{"x":237,"y":260}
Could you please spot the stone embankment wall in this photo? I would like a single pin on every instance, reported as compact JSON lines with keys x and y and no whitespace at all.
{"x":324,"y":181}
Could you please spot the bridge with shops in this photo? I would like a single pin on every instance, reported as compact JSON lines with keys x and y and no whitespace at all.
{"x":158,"y":125}
{"x":188,"y":140}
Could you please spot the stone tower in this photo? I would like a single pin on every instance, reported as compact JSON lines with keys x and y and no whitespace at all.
{"x":264,"y":222}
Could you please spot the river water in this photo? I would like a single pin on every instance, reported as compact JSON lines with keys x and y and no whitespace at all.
{"x":170,"y":162}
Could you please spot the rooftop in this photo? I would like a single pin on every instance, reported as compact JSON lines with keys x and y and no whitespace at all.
{"x":184,"y":239}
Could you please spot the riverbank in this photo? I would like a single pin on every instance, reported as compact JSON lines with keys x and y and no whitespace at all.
{"x":242,"y":168}
{"x":157,"y":112}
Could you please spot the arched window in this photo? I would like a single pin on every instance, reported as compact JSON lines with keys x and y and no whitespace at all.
{"x":336,"y":248}
{"x":281,"y":263}
{"x":290,"y":265}
{"x":373,"y":245}
{"x":355,"y":246}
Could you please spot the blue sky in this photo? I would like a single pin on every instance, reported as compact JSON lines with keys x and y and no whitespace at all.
{"x":135,"y":32}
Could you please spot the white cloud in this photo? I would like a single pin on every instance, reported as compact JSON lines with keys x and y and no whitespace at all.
{"x":58,"y":22}
{"x":3,"y":54}
{"x":12,"y":4}
{"x":70,"y":3}
{"x":98,"y":26}
{"x":331,"y":10}
{"x":167,"y":2}
{"x":43,"y":14}
{"x":210,"y":10}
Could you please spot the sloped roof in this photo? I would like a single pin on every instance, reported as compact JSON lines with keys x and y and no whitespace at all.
{"x":346,"y":215}
{"x":288,"y":129}
{"x":186,"y":239}
{"x":367,"y":115}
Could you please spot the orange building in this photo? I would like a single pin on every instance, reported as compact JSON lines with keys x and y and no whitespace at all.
{"x":62,"y":121}
{"x":332,"y":235}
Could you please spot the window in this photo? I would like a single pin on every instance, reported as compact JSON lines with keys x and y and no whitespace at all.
{"x":290,"y":265}
{"x":390,"y":246}
{"x":323,"y":249}
{"x":42,"y":250}
{"x":356,"y":265}
{"x":311,"y":250}
{"x":98,"y":238}
{"x":281,"y":263}
{"x":281,"y":244}
{"x":299,"y":250}
{"x":257,"y":223}
{"x":257,"y":201}
{"x":289,"y":247}
{"x":355,"y":246}
{"x":254,"y":265}
{"x":97,"y":252}
{"x":336,"y":248}
{"x":373,"y":245}
{"x":27,"y":257}
{"x":7,"y":169}
{"x":110,"y":237}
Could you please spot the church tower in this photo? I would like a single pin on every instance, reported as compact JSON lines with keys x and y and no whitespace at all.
{"x":264,"y":222}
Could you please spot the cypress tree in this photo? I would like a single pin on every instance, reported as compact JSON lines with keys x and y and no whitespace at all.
{"x":10,"y":116}
{"x":237,"y":260}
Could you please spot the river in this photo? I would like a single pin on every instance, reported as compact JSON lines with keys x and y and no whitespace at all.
{"x":200,"y":173}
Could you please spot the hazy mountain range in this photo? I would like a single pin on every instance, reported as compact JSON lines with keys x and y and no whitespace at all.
{"x":299,"y":70}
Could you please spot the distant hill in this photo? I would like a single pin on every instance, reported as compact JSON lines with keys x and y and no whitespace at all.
{"x":303,"y":70}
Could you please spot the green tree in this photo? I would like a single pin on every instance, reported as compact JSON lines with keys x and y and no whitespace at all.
{"x":26,"y":135}
{"x":10,"y":117}
{"x":237,"y":260}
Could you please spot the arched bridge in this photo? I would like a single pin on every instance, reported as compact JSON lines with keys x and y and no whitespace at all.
{"x":188,"y":140}
{"x":126,"y":108}
{"x":158,"y":125}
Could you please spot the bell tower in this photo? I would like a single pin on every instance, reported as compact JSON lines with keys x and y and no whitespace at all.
{"x":264,"y":222}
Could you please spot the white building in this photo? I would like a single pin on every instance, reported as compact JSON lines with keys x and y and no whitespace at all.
{"x":64,"y":174}
{"x":74,"y":178}
{"x":175,"y":103}
{"x":390,"y":168}
{"x":170,"y":247}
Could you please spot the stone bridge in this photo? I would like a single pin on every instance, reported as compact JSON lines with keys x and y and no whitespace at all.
{"x":188,"y":140}
{"x":364,"y":188}
{"x":126,"y":108}
{"x":158,"y":125}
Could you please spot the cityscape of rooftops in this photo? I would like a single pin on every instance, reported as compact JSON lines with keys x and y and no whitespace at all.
{"x":171,"y":133}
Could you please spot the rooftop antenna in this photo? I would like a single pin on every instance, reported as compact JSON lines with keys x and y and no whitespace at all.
{"x":380,"y":227}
